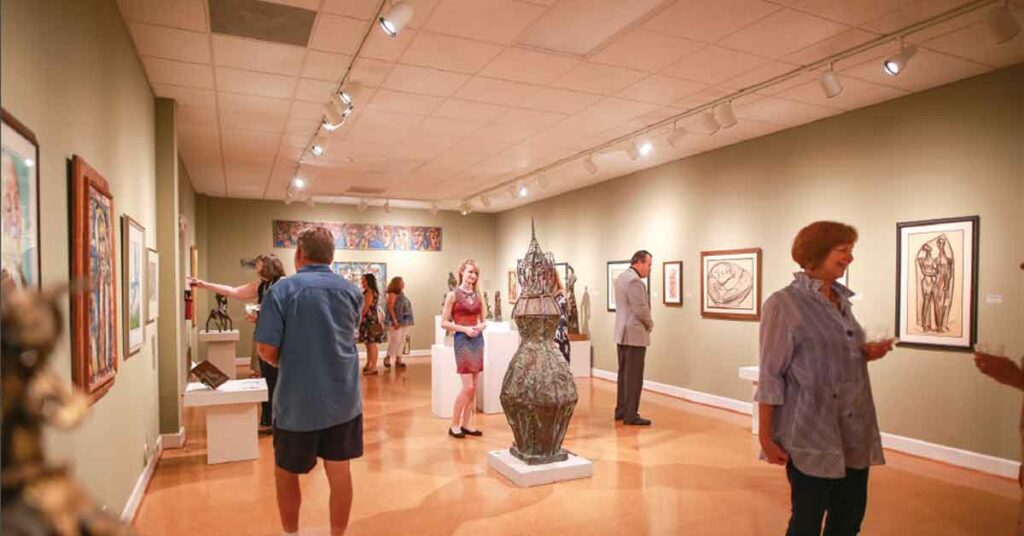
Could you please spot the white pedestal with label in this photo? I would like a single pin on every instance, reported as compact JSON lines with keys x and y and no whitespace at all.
{"x":221,"y":349}
{"x":445,"y":383}
{"x":231,"y":417}
{"x":524,"y":475}
{"x":580,"y":358}
{"x":751,"y":374}
{"x":439,"y":333}
{"x":500,"y":344}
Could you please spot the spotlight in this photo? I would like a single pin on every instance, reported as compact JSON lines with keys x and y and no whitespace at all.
{"x":522,"y":190}
{"x":512,"y":192}
{"x":633,"y":151}
{"x":830,"y":83}
{"x":333,"y":119}
{"x":288,"y":197}
{"x":309,"y":201}
{"x":589,"y":165}
{"x":397,"y":17}
{"x":675,"y":137}
{"x":895,"y":65}
{"x":485,"y":200}
{"x":466,"y":208}
{"x":298,"y":183}
{"x":724,"y":115}
{"x":542,"y":182}
{"x":387,"y":206}
{"x":1002,"y":23}
{"x":361,"y":207}
{"x":433,"y":209}
{"x":708,"y":122}
{"x":342,"y":103}
{"x":319,"y":146}
{"x":646,"y":148}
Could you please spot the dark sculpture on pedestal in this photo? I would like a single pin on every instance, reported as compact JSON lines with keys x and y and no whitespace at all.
{"x":497,"y":306}
{"x":219,"y":315}
{"x":572,"y":311}
{"x":538,"y":393}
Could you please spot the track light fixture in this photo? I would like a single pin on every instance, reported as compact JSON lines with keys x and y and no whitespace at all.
{"x":708,"y":122}
{"x":589,"y":165}
{"x":675,"y":137}
{"x":830,"y":83}
{"x":361,"y":207}
{"x":512,"y":191}
{"x":1002,"y":23}
{"x":485,"y":200}
{"x":895,"y":65}
{"x":396,"y":18}
{"x":522,"y":190}
{"x":542,"y":182}
{"x":319,"y":146}
{"x":633,"y":151}
{"x":333,"y":119}
{"x":289,"y":197}
{"x":387,"y":206}
{"x":433,"y":209}
{"x":309,"y":201}
{"x":298,"y":183}
{"x":466,"y":208}
{"x":724,"y":115}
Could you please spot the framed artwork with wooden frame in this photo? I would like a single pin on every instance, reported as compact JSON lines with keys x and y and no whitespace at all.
{"x":672,"y":283}
{"x":133,"y":284}
{"x":937,"y":283}
{"x":513,"y":286}
{"x":730,"y":284}
{"x":19,"y":190}
{"x":93,"y":262}
{"x":194,"y":272}
{"x":615,"y":268}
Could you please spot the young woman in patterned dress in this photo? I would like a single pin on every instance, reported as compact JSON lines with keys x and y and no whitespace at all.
{"x":463,"y":314}
{"x":371,"y":326}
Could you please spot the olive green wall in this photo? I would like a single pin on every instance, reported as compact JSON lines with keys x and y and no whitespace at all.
{"x":956,"y":150}
{"x":70,"y":73}
{"x":238,"y":229}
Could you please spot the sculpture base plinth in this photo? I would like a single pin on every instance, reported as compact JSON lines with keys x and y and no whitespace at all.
{"x":525,"y":476}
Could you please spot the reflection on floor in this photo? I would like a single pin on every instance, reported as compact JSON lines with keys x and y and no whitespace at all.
{"x":694,"y":472}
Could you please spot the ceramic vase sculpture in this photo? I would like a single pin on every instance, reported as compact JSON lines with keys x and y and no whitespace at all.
{"x":538,"y":394}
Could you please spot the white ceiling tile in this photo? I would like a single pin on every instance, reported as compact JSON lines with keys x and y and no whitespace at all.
{"x":310,"y":90}
{"x":925,"y":70}
{"x":659,"y":89}
{"x":464,"y":110}
{"x":781,"y":33}
{"x":701,"y":97}
{"x":295,"y":140}
{"x":381,"y":47}
{"x":433,"y":127}
{"x":976,"y":43}
{"x":245,"y":144}
{"x":244,"y":112}
{"x":856,"y":94}
{"x":613,"y":110}
{"x":196,"y":116}
{"x":600,"y":79}
{"x":252,"y":83}
{"x":424,"y":81}
{"x":909,"y":13}
{"x":517,"y":125}
{"x":325,"y":66}
{"x":307,"y":110}
{"x":337,"y":34}
{"x":837,"y":43}
{"x":176,"y":73}
{"x":406,"y":103}
{"x":171,"y":43}
{"x":559,"y":100}
{"x":709,"y":21}
{"x":356,"y":9}
{"x":302,"y":126}
{"x":493,"y":21}
{"x":530,"y":66}
{"x":713,"y":64}
{"x":254,"y":55}
{"x":852,"y":12}
{"x":580,"y":26}
{"x":760,"y":74}
{"x":187,"y":96}
{"x":645,"y":50}
{"x":200,"y":145}
{"x":186,"y":14}
{"x":494,"y":91}
{"x":370,"y":72}
{"x":449,"y":53}
{"x":782,"y":111}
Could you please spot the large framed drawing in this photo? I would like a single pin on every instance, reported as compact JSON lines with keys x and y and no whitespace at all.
{"x":19,"y":203}
{"x":353,"y":271}
{"x":93,"y":261}
{"x":672,"y":283}
{"x":615,"y":269}
{"x":730,"y":284}
{"x":937,"y":282}
{"x":133,"y":286}
{"x":152,"y":285}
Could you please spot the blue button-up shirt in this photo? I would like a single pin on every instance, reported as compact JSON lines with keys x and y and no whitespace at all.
{"x":814,"y":371}
{"x":311,"y":318}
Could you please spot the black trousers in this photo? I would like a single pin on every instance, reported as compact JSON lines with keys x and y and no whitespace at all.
{"x":844,"y":499}
{"x":269,"y":372}
{"x":630,"y":382}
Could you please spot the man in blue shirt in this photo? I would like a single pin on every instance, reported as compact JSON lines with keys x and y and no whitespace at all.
{"x":307,"y":328}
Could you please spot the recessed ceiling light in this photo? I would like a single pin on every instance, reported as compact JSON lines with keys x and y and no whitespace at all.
{"x":396,"y":18}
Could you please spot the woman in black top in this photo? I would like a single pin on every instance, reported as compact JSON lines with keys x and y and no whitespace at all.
{"x":371,"y":325}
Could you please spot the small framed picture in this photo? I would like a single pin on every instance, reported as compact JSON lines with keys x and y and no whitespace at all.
{"x":672,"y":283}
{"x":513,"y":287}
{"x":133,"y":284}
{"x":615,"y":269}
{"x":152,"y":285}
{"x":730,"y":282}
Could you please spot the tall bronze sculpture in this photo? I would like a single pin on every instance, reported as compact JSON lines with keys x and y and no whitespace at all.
{"x":497,"y":306}
{"x":572,"y":311}
{"x":538,"y":393}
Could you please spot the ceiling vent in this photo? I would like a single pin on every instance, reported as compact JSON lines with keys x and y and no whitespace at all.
{"x":262,"y":20}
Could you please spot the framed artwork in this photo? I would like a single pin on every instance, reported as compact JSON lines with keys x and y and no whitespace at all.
{"x":563,"y":272}
{"x":94,"y":261}
{"x":152,"y":285}
{"x":364,"y":236}
{"x":672,"y":283}
{"x":353,"y":271}
{"x":730,"y":284}
{"x":133,"y":291}
{"x":615,"y":269}
{"x":19,"y":203}
{"x":513,"y":286}
{"x":937,"y":282}
{"x":193,"y":271}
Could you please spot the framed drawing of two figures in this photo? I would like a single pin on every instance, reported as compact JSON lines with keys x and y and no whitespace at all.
{"x":937,"y":283}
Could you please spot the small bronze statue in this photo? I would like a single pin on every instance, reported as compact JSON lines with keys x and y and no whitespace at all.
{"x":497,"y":306}
{"x":487,"y":304}
{"x":219,"y":315}
{"x":573,"y":311}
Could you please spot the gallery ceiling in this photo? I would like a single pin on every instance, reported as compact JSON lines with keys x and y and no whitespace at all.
{"x":473,"y":94}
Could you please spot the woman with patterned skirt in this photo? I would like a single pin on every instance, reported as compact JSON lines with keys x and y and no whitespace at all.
{"x":463,"y":314}
{"x":371,"y":326}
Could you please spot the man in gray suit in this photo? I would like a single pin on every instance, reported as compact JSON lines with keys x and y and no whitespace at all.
{"x":633,"y":327}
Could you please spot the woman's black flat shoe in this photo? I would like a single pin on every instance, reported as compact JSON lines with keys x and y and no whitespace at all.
{"x":474,"y":433}
{"x":459,"y":435}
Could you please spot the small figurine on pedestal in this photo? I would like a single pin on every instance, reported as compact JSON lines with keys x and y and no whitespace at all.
{"x":219,"y":315}
{"x":487,"y":305}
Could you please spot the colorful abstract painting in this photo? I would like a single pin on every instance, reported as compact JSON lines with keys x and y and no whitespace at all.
{"x":19,"y":205}
{"x":363,"y":236}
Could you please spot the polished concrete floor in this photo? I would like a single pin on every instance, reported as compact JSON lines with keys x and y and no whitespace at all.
{"x":694,"y":472}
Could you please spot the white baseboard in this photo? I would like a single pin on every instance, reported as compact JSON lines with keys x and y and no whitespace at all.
{"x":915,"y":447}
{"x":139,"y":491}
{"x":244,"y":361}
{"x":173,"y":441}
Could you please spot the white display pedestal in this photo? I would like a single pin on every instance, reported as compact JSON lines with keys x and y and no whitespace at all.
{"x":580,"y":358}
{"x":231,"y":417}
{"x":445,"y":382}
{"x":221,"y":349}
{"x":752,"y":374}
{"x":524,"y":475}
{"x":500,"y":344}
{"x":439,"y":333}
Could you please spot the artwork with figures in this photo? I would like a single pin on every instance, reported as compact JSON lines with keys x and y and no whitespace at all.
{"x":615,"y":269}
{"x":365,"y":236}
{"x":133,"y":243}
{"x":353,"y":271}
{"x":152,"y":285}
{"x":93,"y":259}
{"x":937,"y":275}
{"x":19,"y":204}
{"x":513,"y":287}
{"x":730,"y":283}
{"x":672,"y":283}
